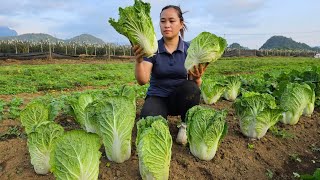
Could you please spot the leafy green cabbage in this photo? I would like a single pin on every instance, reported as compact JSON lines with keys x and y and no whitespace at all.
{"x":153,"y":144}
{"x":116,"y":116}
{"x":206,"y":128}
{"x":205,"y":48}
{"x":308,"y":110}
{"x":257,"y":113}
{"x":295,"y":100}
{"x":211,"y":91}
{"x":33,"y":115}
{"x":41,"y":143}
{"x":81,"y":115}
{"x":129,"y":92}
{"x":233,"y":85}
{"x":76,"y":156}
{"x":136,"y":24}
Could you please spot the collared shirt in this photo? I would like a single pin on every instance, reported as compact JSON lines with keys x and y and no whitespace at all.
{"x":168,"y":70}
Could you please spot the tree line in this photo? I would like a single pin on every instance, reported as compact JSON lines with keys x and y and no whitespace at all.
{"x":74,"y":49}
{"x":111,"y":49}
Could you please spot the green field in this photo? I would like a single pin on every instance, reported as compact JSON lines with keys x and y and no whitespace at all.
{"x":284,"y":152}
{"x":15,"y":79}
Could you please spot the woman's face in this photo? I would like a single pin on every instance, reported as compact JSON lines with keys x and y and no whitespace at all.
{"x":170,"y":23}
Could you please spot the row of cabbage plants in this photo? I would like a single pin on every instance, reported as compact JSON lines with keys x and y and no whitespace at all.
{"x":262,"y":102}
{"x":109,"y":121}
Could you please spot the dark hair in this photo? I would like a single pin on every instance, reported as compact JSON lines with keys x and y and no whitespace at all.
{"x":180,"y":13}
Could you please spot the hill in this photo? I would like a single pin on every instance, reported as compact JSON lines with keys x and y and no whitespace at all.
{"x":5,"y":31}
{"x":85,"y":38}
{"x":236,"y":46}
{"x":34,"y":37}
{"x":281,"y":42}
{"x":38,"y":37}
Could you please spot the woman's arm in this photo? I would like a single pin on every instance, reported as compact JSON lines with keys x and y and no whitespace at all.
{"x":142,"y":72}
{"x":142,"y":68}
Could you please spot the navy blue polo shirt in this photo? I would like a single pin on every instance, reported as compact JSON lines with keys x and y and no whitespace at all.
{"x":168,"y":70}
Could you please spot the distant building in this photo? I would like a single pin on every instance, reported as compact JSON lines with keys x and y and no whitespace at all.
{"x":317,"y":56}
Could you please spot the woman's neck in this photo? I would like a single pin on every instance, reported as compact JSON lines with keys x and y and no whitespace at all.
{"x":171,"y":44}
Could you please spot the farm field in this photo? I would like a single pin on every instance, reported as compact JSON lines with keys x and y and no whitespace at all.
{"x":285,"y":152}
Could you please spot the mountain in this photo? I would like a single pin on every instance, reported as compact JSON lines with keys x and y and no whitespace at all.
{"x":236,"y":46}
{"x":5,"y":31}
{"x":35,"y":37}
{"x":38,"y":37}
{"x":85,"y":38}
{"x":281,"y":42}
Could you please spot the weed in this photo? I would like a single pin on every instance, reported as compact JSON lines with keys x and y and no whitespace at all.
{"x":2,"y":105}
{"x":315,"y":176}
{"x":269,"y":174}
{"x":281,"y":133}
{"x":250,"y":146}
{"x":295,"y":157}
{"x":314,"y":148}
{"x":12,"y":132}
{"x":14,"y":107}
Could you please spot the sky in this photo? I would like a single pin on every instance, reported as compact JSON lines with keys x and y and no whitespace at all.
{"x":247,"y":22}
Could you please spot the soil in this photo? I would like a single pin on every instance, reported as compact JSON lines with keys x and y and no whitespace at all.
{"x":271,"y":157}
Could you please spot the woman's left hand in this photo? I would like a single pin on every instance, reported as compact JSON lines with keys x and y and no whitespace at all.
{"x":197,"y":71}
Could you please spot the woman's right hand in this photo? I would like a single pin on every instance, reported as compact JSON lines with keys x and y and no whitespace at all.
{"x":138,"y":53}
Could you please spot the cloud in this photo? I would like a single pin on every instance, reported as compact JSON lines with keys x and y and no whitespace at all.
{"x":35,"y":7}
{"x":233,"y":8}
{"x":236,"y":13}
{"x":27,"y":25}
{"x":10,"y":8}
{"x":67,"y":19}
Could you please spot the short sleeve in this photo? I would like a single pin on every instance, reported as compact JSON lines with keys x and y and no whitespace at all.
{"x":151,"y":59}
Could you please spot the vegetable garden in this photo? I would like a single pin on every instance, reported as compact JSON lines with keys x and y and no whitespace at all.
{"x":66,"y":100}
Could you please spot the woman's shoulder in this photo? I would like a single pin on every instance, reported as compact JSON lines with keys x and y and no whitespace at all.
{"x":186,"y":43}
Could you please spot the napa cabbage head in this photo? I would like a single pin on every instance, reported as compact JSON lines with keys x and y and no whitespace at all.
{"x":205,"y":48}
{"x":206,"y":128}
{"x":211,"y":91}
{"x":295,"y":100}
{"x":116,"y":117}
{"x":79,"y":106}
{"x":136,"y":24}
{"x":232,"y":86}
{"x":256,"y":113}
{"x":33,"y":115}
{"x":40,"y":144}
{"x":153,"y":144}
{"x":76,"y":156}
{"x":129,"y":92}
{"x":308,"y":110}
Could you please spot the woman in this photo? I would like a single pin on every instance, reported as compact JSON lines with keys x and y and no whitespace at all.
{"x":172,"y":89}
